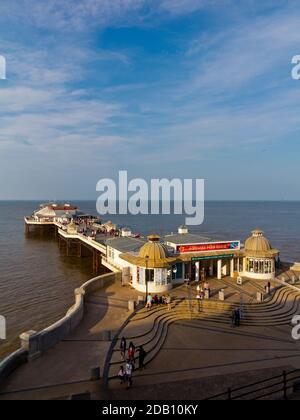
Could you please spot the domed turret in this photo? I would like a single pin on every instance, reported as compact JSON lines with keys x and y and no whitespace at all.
{"x":259,"y":262}
{"x":153,"y":249}
{"x":257,"y":242}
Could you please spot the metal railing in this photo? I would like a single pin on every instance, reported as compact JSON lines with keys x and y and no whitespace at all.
{"x":280,"y":387}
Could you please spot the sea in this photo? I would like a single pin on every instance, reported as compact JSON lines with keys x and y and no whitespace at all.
{"x":37,"y":280}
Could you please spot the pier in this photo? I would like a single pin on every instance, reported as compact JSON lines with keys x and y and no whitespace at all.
{"x":186,"y":344}
{"x":73,"y":242}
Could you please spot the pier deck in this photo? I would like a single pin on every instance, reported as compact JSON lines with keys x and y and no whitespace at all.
{"x":95,"y":245}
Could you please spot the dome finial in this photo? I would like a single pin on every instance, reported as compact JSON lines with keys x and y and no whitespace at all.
{"x":257,"y":232}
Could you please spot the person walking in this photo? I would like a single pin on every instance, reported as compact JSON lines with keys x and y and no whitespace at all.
{"x":131,"y":352}
{"x":237,"y":318}
{"x":168,"y":302}
{"x":123,"y":347}
{"x":149,"y":301}
{"x":142,"y":356}
{"x":121,"y":375}
{"x":128,"y":373}
{"x":233,"y":318}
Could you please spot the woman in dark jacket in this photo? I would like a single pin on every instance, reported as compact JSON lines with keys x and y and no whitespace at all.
{"x":123,"y":347}
{"x":142,"y":355}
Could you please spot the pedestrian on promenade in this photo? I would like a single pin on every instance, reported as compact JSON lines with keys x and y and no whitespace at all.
{"x":131,"y":352}
{"x":121,"y":375}
{"x":168,"y":302}
{"x":123,"y":347}
{"x":199,"y":302}
{"x":161,"y":300}
{"x":237,"y":318}
{"x":142,"y":355}
{"x":155,"y":300}
{"x":149,"y":301}
{"x":128,"y":373}
{"x":233,"y":316}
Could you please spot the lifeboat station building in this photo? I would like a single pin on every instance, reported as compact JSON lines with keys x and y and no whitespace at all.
{"x":174,"y":259}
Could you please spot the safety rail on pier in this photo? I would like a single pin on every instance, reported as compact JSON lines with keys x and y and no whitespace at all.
{"x":32,"y":221}
{"x":86,"y":239}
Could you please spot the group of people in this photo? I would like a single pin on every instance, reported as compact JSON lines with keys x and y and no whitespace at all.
{"x":268,"y":288}
{"x":159,"y":300}
{"x":129,"y":356}
{"x":201,"y":289}
{"x":236,"y":317}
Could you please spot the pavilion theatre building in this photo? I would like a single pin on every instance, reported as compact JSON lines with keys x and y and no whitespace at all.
{"x":184,"y":256}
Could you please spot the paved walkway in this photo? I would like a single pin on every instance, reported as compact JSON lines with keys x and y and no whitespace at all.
{"x":71,"y":360}
{"x":201,"y":359}
{"x":193,"y":350}
{"x":196,"y":349}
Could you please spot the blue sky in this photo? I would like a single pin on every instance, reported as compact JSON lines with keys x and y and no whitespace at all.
{"x":161,"y":88}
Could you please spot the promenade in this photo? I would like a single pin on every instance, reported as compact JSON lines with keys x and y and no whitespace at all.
{"x":65,"y":369}
{"x":199,"y":352}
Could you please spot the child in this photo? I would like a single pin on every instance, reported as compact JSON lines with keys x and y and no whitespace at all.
{"x":121,"y":375}
{"x":129,"y":370}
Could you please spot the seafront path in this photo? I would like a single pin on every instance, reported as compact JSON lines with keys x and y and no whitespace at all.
{"x":204,"y":355}
{"x":192,"y":352}
{"x":65,"y":369}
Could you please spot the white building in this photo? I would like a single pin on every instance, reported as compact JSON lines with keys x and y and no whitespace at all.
{"x":55,"y":213}
{"x":186,"y":256}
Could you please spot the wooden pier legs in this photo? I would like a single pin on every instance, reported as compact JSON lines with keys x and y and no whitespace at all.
{"x":79,"y":250}
{"x":75,"y":248}
{"x":96,"y":261}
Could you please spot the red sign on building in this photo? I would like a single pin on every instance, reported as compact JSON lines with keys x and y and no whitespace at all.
{"x":220,"y":246}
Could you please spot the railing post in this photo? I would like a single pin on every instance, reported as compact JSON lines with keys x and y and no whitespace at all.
{"x":229,"y":394}
{"x":284,"y":385}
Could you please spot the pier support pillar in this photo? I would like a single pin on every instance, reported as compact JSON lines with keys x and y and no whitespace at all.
{"x":232,"y":268}
{"x":79,"y":250}
{"x":219,"y":269}
{"x":197,"y":271}
{"x":211,"y":269}
{"x":95,"y":261}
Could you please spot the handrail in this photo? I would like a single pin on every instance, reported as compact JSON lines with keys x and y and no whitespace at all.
{"x":285,"y":382}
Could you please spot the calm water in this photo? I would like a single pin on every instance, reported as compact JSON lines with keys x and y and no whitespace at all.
{"x":37,"y":282}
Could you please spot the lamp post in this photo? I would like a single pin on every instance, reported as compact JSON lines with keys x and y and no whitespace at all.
{"x":146,"y":276}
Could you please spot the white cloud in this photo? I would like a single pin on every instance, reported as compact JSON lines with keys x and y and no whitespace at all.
{"x":70,"y":14}
{"x":179,"y":7}
{"x":84,"y":15}
{"x":238,"y":56}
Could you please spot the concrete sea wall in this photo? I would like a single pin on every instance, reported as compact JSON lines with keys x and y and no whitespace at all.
{"x":34,"y":344}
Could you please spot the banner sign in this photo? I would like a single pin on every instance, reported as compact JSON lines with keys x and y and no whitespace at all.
{"x":212,"y":257}
{"x":214,"y":246}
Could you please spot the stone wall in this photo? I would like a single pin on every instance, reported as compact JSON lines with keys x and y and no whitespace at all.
{"x":34,"y":344}
{"x":12,"y":362}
